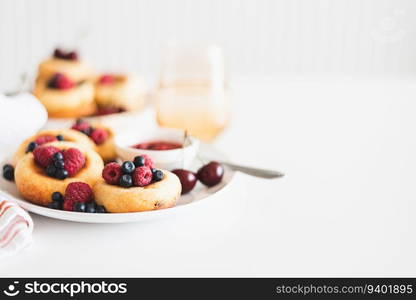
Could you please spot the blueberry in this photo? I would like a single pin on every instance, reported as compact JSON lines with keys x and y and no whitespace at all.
{"x":8,"y":172}
{"x":128,"y":167}
{"x":51,"y":170}
{"x":31,"y":147}
{"x":87,"y":131}
{"x":55,"y":205}
{"x":79,"y":207}
{"x":126,"y":181}
{"x":7,"y":166}
{"x":100,"y":209}
{"x":59,"y":137}
{"x":91,"y":208}
{"x":157,"y":175}
{"x":139,"y":161}
{"x":58,"y":156}
{"x":57,"y":197}
{"x":59,"y":164}
{"x":61,"y":174}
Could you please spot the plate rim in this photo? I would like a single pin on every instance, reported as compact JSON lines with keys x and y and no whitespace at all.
{"x":129,"y":217}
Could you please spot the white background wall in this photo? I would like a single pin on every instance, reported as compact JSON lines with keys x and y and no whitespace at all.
{"x":262,"y":37}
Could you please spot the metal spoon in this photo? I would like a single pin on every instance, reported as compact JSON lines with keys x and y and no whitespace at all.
{"x":263,"y":173}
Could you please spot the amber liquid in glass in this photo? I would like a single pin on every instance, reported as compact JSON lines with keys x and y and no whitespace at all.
{"x":198,"y":107}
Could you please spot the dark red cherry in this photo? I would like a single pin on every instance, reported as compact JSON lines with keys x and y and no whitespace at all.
{"x":211,"y":174}
{"x":188,"y":179}
{"x":72,"y":55}
{"x":59,"y":53}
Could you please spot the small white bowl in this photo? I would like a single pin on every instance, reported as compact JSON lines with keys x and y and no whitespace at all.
{"x":163,"y":159}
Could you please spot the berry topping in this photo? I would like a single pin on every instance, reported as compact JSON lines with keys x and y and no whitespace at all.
{"x":71,"y":55}
{"x":44,"y":155}
{"x":51,"y":170}
{"x":80,"y":207}
{"x":102,"y":111}
{"x":187,"y":178}
{"x":128,"y":167}
{"x":8,"y":172}
{"x":57,"y":196}
{"x":55,"y":205}
{"x":58,"y":156}
{"x":143,"y":160}
{"x":76,"y":192}
{"x":81,"y":125}
{"x":59,"y":137}
{"x":51,"y":158}
{"x":158,"y":145}
{"x":61,"y":174}
{"x":211,"y":174}
{"x":157,"y":175}
{"x":139,"y":161}
{"x":148,"y":162}
{"x":43,"y":139}
{"x":87,"y":131}
{"x":74,"y":161}
{"x":100,"y":209}
{"x":126,"y":181}
{"x":112,"y":173}
{"x":142,"y":176}
{"x":107,"y":79}
{"x":68,"y":206}
{"x":61,"y":82}
{"x":91,"y":208}
{"x":59,"y":164}
{"x":99,"y":135}
{"x":58,"y":53}
{"x":31,"y":147}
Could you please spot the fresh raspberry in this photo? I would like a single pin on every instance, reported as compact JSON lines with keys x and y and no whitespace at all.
{"x":74,"y":161}
{"x":142,"y":176}
{"x":43,"y":139}
{"x":107,"y":79}
{"x":99,"y":135}
{"x":76,"y":192}
{"x":61,"y":82}
{"x":112,"y":173}
{"x":43,"y":155}
{"x":81,"y":125}
{"x":148,"y":162}
{"x":102,"y":111}
{"x":68,"y":205}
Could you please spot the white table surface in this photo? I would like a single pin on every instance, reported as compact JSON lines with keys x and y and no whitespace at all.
{"x":345,"y":208}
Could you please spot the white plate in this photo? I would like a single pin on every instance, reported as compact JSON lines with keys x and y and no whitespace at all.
{"x":199,"y":195}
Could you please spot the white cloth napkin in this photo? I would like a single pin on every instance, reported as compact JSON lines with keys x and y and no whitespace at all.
{"x":16,"y":227}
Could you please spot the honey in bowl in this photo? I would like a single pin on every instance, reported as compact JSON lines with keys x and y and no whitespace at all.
{"x":158,"y":145}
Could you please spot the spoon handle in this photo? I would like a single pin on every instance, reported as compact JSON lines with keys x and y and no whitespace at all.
{"x":263,"y":173}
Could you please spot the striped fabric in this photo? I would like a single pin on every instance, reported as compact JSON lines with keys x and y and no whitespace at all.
{"x":16,"y":228}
